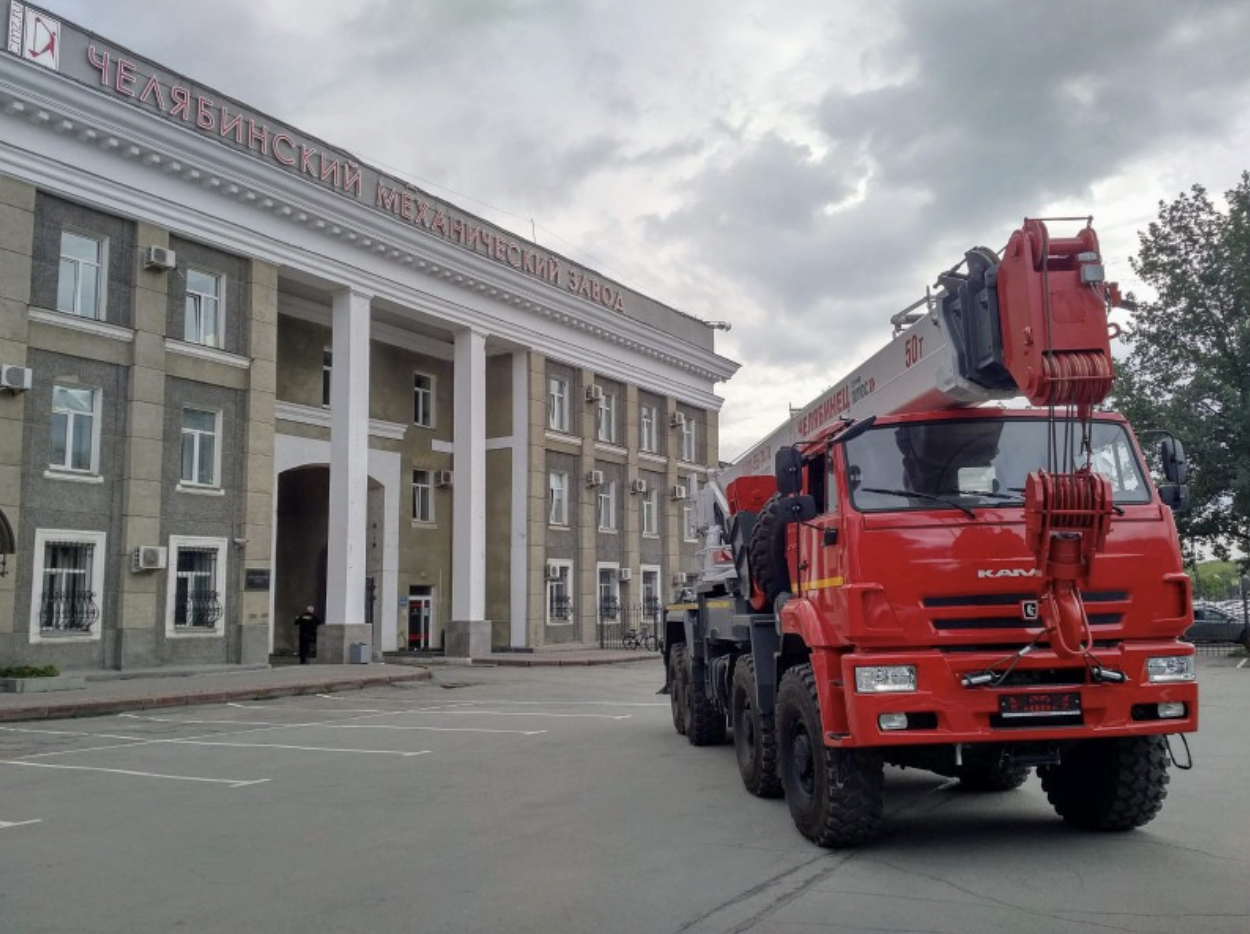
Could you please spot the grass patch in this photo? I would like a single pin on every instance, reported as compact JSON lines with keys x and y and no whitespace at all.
{"x":30,"y":671}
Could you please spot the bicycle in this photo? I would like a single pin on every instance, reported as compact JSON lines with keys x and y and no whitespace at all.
{"x":634,"y":639}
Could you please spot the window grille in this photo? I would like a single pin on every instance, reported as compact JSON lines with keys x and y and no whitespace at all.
{"x":197,"y":603}
{"x":68,"y":602}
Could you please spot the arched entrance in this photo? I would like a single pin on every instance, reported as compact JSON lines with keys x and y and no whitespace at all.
{"x":8,"y":542}
{"x":301,"y":546}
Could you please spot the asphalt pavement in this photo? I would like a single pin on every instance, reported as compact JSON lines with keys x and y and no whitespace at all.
{"x":110,"y":692}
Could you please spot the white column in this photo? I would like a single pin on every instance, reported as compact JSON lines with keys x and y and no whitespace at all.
{"x":349,"y":460}
{"x":468,"y":537}
{"x":519,"y":571}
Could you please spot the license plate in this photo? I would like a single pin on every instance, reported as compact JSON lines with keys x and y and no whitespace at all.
{"x":1050,"y":704}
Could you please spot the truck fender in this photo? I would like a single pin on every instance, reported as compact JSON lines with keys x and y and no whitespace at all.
{"x":799,"y":616}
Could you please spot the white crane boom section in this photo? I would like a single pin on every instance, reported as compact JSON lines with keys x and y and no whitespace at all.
{"x":915,"y":372}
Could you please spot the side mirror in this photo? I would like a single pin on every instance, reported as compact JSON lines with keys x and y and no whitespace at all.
{"x":1175,"y":496}
{"x":1175,"y":464}
{"x":798,"y":509}
{"x":789,"y":470}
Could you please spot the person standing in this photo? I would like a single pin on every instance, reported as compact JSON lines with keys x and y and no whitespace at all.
{"x":307,"y":622}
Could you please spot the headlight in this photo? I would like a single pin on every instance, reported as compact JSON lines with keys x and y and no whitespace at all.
{"x":1170,"y":668}
{"x":885,"y":679}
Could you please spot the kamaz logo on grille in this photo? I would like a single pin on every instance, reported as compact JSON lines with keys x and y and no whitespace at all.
{"x":983,"y":573}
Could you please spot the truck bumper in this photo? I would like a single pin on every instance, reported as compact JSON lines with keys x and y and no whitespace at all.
{"x":1047,"y":698}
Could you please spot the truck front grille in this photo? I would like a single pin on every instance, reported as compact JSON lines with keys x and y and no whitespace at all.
{"x":974,"y":612}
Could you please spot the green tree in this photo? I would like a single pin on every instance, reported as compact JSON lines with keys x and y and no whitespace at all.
{"x":1188,"y":370}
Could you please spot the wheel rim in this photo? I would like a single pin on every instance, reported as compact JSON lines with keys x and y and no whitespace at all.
{"x":744,"y":733}
{"x":748,"y":726}
{"x":804,"y":763}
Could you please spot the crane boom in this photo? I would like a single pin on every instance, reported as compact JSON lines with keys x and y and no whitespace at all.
{"x":1033,"y":324}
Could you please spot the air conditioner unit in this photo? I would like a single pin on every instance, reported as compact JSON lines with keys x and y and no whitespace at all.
{"x":159,"y":258}
{"x":553,"y":571}
{"x":149,"y":558}
{"x":678,"y":492}
{"x":638,"y":486}
{"x":594,"y":392}
{"x":442,"y":478}
{"x":625,"y":574}
{"x":594,"y":478}
{"x":15,"y":378}
{"x":678,"y":420}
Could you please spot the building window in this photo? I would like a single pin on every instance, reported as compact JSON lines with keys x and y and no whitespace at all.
{"x":609,"y":592}
{"x":327,"y":364}
{"x":651,"y":603}
{"x":203,"y":316}
{"x":422,"y":496}
{"x":558,"y":404}
{"x":647,"y":429}
{"x":423,"y":400}
{"x":200,"y":447}
{"x":196,"y":599}
{"x":75,"y":429}
{"x":650,"y":513}
{"x":68,"y":580}
{"x":607,"y":506}
{"x":68,"y":601}
{"x":607,"y":417}
{"x":559,"y":594}
{"x":688,"y":452}
{"x":558,"y":511}
{"x":80,"y":283}
{"x":690,"y":528}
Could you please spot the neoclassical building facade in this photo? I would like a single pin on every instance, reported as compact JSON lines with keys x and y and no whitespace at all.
{"x":244,"y":373}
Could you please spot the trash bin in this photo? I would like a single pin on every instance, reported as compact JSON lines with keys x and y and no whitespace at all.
{"x":358,"y":653}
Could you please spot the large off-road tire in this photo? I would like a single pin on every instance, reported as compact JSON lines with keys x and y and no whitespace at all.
{"x":678,"y":679}
{"x":705,"y":725}
{"x":1109,"y":784}
{"x":755,"y":736}
{"x":766,"y":553}
{"x":835,"y":795}
{"x":995,"y":775}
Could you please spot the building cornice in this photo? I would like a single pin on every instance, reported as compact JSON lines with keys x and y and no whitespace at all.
{"x":289,"y":222}
{"x":60,"y":319}
{"x":320,"y":418}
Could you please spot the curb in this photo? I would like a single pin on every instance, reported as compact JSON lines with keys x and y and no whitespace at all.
{"x":65,"y":708}
{"x":551,"y":661}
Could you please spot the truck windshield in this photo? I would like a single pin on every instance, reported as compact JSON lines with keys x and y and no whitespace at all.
{"x":982,"y":462}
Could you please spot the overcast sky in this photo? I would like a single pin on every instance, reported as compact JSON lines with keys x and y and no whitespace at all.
{"x":799,"y":168}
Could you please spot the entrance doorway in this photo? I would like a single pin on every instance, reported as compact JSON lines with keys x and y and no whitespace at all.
{"x":420,"y":618}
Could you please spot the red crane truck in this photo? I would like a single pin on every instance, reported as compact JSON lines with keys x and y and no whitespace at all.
{"x":905,"y":575}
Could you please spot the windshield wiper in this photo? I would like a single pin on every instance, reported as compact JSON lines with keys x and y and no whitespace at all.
{"x":1007,"y":497}
{"x":912,"y":494}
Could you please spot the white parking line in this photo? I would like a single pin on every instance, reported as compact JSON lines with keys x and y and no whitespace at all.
{"x":529,"y":713}
{"x":6,"y":824}
{"x":342,"y":726}
{"x":561,"y":703}
{"x":232,"y":782}
{"x":22,"y":729}
{"x":1242,"y":663}
{"x":363,"y":752}
{"x":380,"y":711}
{"x":200,"y":741}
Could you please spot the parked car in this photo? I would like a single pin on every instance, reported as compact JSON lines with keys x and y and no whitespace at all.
{"x":1211,"y":624}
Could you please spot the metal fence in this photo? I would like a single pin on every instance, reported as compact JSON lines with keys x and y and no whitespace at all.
{"x":1231,"y":599}
{"x":630,"y":625}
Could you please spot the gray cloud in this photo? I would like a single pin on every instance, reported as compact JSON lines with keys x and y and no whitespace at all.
{"x":977,"y":114}
{"x":802,"y":170}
